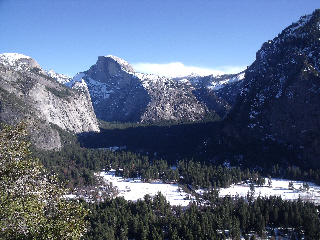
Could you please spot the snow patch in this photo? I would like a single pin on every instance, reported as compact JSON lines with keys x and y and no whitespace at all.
{"x":77,"y":78}
{"x":63,"y":79}
{"x":214,"y":86}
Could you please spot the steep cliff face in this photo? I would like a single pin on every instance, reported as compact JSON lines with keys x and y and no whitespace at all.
{"x":280,"y":98}
{"x":118,"y":93}
{"x":28,"y":92}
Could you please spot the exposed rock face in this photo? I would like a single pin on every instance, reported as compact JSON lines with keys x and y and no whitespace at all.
{"x":27,"y":91}
{"x":170,"y":100}
{"x":118,"y":93}
{"x":280,"y":97}
{"x":108,"y":67}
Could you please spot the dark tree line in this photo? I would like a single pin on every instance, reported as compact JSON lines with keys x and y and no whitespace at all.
{"x":75,"y":166}
{"x":154,"y":218}
{"x":209,"y":176}
{"x":295,"y":173}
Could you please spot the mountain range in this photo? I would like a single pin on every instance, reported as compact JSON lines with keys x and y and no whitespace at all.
{"x":120,"y":94}
{"x":272,"y":105}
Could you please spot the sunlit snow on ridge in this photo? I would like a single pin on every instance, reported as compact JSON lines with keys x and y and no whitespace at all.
{"x":61,"y":78}
{"x":11,"y":59}
{"x":217,"y":85}
{"x":77,"y":78}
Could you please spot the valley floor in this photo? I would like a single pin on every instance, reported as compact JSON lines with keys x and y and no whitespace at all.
{"x":134,"y":189}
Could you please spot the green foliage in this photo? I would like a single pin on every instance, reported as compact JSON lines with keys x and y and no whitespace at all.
{"x":210,"y":117}
{"x":32,"y":205}
{"x":213,"y":177}
{"x":296,"y":173}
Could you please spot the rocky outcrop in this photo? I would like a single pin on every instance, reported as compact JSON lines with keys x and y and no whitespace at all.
{"x":28,"y":92}
{"x":170,"y":100}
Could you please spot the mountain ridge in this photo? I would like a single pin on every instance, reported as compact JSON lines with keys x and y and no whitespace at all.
{"x":278,"y":102}
{"x":120,"y":94}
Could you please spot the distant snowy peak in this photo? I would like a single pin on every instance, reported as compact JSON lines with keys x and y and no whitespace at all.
{"x":151,"y":81}
{"x":216,"y":85}
{"x":188,"y":77}
{"x":125,"y":66}
{"x":150,"y":77}
{"x":63,"y":79}
{"x":19,"y":61}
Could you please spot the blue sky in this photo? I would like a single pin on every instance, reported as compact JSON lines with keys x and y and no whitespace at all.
{"x":162,"y":37}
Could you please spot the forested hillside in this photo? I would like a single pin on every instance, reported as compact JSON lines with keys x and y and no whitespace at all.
{"x":154,"y":218}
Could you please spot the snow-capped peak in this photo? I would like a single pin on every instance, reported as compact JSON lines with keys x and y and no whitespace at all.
{"x":188,"y":77}
{"x":18,"y":61}
{"x":63,"y":79}
{"x":11,"y":58}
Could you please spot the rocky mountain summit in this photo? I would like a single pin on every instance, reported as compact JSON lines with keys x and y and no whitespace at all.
{"x":279,"y":101}
{"x":27,"y":91}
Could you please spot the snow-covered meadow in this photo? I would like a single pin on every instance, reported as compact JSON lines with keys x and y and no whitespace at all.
{"x":134,"y":189}
{"x":280,"y":187}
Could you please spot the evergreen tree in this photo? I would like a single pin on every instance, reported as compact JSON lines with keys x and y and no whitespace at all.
{"x":31,"y":202}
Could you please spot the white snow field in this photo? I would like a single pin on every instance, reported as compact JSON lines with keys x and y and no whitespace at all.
{"x":280,"y":187}
{"x":136,"y":189}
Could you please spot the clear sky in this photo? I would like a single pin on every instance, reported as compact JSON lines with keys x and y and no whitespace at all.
{"x":163,"y":37}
